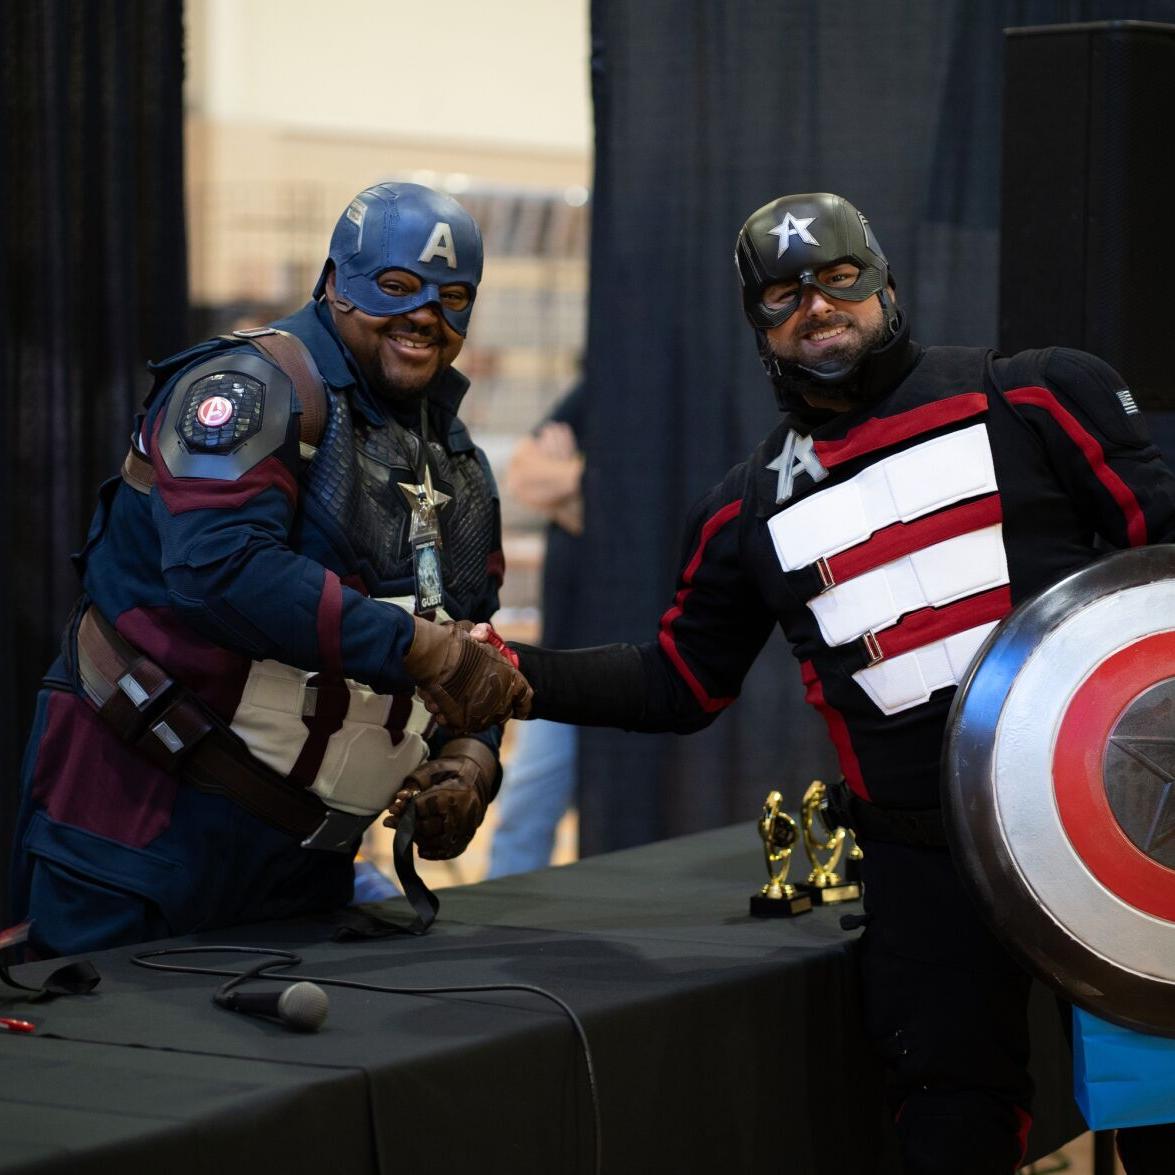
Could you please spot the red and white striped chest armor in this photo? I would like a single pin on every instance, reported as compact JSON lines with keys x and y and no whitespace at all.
{"x":909,"y":549}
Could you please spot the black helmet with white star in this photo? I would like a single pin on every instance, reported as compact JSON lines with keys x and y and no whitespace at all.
{"x":794,"y":238}
{"x":792,"y":241}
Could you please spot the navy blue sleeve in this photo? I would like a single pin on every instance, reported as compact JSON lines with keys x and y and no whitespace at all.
{"x":232,"y":574}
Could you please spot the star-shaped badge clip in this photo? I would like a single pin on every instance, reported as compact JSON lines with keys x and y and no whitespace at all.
{"x":424,"y":497}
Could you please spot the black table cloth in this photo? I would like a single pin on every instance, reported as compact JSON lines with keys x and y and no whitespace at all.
{"x":720,"y":1042}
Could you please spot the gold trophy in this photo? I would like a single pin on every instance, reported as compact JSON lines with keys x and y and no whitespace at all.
{"x":853,"y":858}
{"x":824,"y":885}
{"x":778,"y":899}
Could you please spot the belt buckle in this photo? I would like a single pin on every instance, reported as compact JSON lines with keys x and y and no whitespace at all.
{"x":827,"y":579}
{"x":873,"y":649}
{"x":130,"y":686}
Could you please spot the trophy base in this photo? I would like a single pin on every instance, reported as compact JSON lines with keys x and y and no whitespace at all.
{"x":781,"y":907}
{"x":829,"y":895}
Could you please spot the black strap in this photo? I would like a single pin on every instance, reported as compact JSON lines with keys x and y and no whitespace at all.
{"x":72,"y":979}
{"x":372,"y":921}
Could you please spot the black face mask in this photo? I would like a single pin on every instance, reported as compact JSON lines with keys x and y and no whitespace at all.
{"x":794,"y":384}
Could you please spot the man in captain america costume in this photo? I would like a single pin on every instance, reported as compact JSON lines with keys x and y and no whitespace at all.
{"x":907,"y":501}
{"x":236,"y":697}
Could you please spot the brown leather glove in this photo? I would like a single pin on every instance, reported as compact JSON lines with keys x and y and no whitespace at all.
{"x":452,"y":793}
{"x":467,"y":684}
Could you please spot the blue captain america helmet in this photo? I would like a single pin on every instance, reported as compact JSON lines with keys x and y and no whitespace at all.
{"x":404,"y":226}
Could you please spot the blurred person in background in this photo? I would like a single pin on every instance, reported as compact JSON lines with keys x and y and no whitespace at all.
{"x":546,"y":474}
{"x":235,"y":701}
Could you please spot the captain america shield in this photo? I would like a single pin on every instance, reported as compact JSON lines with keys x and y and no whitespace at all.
{"x":1059,"y":786}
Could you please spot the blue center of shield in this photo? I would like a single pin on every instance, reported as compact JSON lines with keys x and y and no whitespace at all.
{"x":1139,"y":772}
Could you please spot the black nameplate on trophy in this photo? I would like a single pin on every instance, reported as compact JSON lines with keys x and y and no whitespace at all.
{"x":784,"y":906}
{"x":829,"y":895}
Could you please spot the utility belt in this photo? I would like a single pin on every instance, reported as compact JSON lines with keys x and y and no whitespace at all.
{"x":165,"y":722}
{"x":907,"y":826}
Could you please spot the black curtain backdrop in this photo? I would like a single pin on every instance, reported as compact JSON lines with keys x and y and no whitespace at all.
{"x":95,"y":283}
{"x":705,"y":110}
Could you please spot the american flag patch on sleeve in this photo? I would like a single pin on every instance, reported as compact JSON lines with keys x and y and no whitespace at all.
{"x":1127,"y":401}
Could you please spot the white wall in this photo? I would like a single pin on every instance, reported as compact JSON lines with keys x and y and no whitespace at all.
{"x":508,"y":72}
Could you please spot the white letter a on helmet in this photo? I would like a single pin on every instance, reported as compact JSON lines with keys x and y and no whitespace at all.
{"x":440,"y":244}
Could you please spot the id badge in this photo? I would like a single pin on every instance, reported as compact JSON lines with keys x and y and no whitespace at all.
{"x":426,"y":570}
{"x":424,"y":535}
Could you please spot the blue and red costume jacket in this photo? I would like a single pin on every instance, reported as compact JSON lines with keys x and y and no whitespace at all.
{"x":286,"y":559}
{"x":886,"y":542}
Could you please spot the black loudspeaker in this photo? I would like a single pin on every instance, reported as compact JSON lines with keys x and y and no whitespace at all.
{"x":1087,"y":252}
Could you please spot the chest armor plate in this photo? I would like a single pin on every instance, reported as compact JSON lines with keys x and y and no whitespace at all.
{"x":355,"y":478}
{"x":900,"y":540}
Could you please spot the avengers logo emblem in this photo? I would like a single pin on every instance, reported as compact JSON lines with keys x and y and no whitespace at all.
{"x":215,"y":412}
{"x":1059,"y":786}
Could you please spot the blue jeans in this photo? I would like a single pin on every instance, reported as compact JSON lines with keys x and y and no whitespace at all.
{"x":538,"y":787}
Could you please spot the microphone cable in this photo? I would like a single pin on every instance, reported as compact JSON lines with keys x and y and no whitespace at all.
{"x":288,"y":959}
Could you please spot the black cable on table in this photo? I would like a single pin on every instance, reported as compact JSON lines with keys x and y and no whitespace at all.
{"x":144,"y":959}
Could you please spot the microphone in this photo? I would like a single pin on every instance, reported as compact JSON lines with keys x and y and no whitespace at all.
{"x":301,"y":1006}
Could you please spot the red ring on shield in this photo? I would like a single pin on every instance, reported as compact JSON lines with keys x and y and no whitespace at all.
{"x":215,"y":411}
{"x":1079,"y":785}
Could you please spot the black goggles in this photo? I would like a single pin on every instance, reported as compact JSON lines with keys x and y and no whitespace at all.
{"x":775,"y":305}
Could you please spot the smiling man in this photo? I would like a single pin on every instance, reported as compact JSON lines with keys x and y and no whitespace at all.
{"x":908,"y":499}
{"x":265,"y":586}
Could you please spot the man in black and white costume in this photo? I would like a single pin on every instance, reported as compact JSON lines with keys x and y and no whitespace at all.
{"x":908,"y":500}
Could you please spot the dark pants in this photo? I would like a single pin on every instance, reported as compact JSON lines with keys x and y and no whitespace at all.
{"x":206,"y":862}
{"x":946,"y":1008}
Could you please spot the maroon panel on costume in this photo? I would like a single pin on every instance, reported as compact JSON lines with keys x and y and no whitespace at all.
{"x":355,"y":582}
{"x":334,"y":699}
{"x":928,"y":625}
{"x":903,"y":538}
{"x":887,"y":431}
{"x":837,"y":729}
{"x":330,"y":625}
{"x":134,"y":804}
{"x":329,"y":711}
{"x":668,"y":644}
{"x":398,"y":715}
{"x":1093,"y":453}
{"x":181,"y":494}
{"x":215,"y":674}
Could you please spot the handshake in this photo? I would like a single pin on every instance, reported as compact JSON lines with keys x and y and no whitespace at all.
{"x":466,"y":676}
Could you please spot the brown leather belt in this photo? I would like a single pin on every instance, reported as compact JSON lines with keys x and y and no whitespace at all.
{"x":160,"y":718}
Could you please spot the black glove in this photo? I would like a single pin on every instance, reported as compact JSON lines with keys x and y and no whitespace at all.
{"x":451,"y":794}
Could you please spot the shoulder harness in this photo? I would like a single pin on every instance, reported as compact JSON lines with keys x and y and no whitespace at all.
{"x":289,"y":354}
